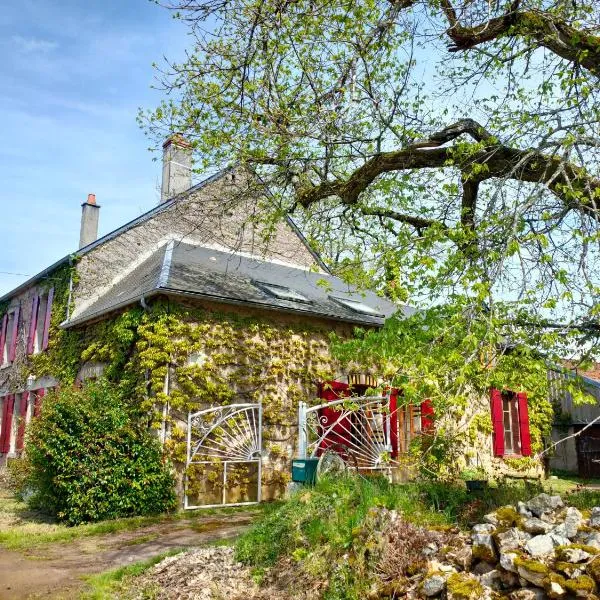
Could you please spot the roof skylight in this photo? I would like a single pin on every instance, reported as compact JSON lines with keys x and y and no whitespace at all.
{"x":282,"y":292}
{"x":357,"y":306}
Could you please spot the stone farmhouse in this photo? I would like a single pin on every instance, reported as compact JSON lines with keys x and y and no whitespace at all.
{"x":220,"y":334}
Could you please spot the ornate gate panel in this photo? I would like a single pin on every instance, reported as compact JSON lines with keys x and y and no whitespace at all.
{"x":363,"y":431}
{"x":224,"y":464}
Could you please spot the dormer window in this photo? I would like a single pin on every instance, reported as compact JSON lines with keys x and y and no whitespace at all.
{"x":357,"y":306}
{"x":282,"y":292}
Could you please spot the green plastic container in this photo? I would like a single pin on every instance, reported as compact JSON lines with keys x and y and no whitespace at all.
{"x":304,"y":470}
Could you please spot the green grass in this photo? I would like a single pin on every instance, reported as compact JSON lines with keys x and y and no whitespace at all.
{"x":22,"y":529}
{"x":114,"y":584}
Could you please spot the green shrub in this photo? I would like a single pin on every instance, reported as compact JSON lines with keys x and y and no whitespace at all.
{"x":89,"y":459}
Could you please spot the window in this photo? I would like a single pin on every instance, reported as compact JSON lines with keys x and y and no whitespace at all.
{"x":282,"y":292}
{"x":510,"y":422}
{"x":357,"y":306}
{"x":510,"y":414}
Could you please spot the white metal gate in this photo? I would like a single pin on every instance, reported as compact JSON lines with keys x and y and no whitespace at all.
{"x":221,"y":441}
{"x":359,"y":429}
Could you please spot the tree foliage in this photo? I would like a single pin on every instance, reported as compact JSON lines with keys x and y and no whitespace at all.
{"x":89,"y":459}
{"x":443,"y":151}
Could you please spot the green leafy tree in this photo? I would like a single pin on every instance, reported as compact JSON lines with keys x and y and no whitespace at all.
{"x":441,"y":151}
{"x":89,"y":459}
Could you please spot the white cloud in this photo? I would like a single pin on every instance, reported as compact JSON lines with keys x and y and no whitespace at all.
{"x":32,"y":45}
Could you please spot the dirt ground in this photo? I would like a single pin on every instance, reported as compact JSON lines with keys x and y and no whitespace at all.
{"x":56,"y":570}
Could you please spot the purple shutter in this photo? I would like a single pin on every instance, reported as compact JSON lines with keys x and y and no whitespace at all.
{"x":497,"y":422}
{"x":35,"y":303}
{"x":15,"y":335}
{"x":47,"y":319}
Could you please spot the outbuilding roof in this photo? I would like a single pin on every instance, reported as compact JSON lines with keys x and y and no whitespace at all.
{"x":181,"y":269}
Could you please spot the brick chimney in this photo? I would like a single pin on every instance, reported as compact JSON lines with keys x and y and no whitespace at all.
{"x":177,"y":167}
{"x":90,"y":211}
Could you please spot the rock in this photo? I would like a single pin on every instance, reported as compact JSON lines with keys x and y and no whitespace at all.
{"x":462,"y":558}
{"x":433,"y":585}
{"x":569,"y":569}
{"x":595,"y":517}
{"x":573,"y":521}
{"x":511,"y":539}
{"x":483,"y":528}
{"x":582,"y":586}
{"x":463,"y":586}
{"x":555,"y":586}
{"x":592,"y":539}
{"x":491,"y":518}
{"x":482,"y":568}
{"x":430,"y":550}
{"x":535,"y":526}
{"x":543,"y":503}
{"x":509,"y":580}
{"x":507,"y":561}
{"x":593,"y":569}
{"x":483,"y":547}
{"x":574,"y":555}
{"x":540,"y":545}
{"x":528,"y":594}
{"x":492,"y":579}
{"x":522,"y":509}
{"x":532,"y":571}
{"x":559,"y":540}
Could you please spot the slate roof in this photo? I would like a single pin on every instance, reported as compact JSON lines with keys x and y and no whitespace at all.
{"x":181,"y":269}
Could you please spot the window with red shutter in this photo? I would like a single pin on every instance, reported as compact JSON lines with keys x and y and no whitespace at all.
{"x":510,"y":421}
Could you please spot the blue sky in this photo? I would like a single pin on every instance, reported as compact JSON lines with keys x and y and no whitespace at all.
{"x":73,"y":76}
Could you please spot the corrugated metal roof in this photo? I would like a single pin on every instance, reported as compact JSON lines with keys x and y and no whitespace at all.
{"x":184,"y":269}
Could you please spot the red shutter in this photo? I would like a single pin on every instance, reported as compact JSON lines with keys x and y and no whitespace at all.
{"x":3,"y":336}
{"x":2,"y":425}
{"x":12,"y":352}
{"x":341,"y":432}
{"x":426,"y":416}
{"x":37,"y":403}
{"x":524,"y":424}
{"x":47,"y":319}
{"x":22,"y":420}
{"x":394,"y":393}
{"x":9,"y":402}
{"x":497,"y":422}
{"x":33,"y":324}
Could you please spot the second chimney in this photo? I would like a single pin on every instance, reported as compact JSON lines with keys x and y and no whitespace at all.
{"x":177,"y":167}
{"x":90,"y":211}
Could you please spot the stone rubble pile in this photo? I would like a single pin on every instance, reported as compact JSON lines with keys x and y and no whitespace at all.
{"x":535,"y":550}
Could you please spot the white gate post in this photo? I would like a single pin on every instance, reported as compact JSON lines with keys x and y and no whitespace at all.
{"x":302,"y":432}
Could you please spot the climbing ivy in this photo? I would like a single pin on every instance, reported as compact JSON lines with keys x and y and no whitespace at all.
{"x":210,"y":358}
